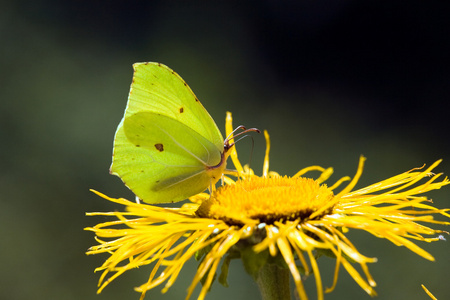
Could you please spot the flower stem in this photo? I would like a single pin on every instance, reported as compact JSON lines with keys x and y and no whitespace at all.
{"x":273,"y":282}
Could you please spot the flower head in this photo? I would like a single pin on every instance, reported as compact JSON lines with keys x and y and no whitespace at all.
{"x":270,"y":220}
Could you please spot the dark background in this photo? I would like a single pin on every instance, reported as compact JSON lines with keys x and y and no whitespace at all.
{"x":329,"y":80}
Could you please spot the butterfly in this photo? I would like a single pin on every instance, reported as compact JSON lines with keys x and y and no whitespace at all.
{"x":167,"y":147}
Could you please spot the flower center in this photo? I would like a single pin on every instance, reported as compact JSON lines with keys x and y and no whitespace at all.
{"x":262,"y":199}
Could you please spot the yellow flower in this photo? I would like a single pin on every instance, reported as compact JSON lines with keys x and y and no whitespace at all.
{"x":273,"y":223}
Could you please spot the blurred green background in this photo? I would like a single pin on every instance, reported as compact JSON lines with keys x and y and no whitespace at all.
{"x":329,"y":80}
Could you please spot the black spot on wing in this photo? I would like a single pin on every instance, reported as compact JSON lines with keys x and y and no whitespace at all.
{"x":181,"y":110}
{"x":159,"y":147}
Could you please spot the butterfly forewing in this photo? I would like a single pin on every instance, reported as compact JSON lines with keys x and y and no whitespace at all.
{"x":159,"y":89}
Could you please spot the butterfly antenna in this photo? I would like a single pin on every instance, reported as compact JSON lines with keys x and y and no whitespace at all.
{"x":241,"y":138}
{"x":227,"y":144}
{"x":236,"y":129}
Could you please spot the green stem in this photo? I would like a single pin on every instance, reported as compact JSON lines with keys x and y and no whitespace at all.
{"x":273,"y":282}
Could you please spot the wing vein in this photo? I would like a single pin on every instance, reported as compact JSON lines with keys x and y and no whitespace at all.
{"x":184,"y":148}
{"x":182,"y":180}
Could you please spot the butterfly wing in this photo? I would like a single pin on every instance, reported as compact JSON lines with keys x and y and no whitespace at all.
{"x":161,"y":147}
{"x":159,"y":89}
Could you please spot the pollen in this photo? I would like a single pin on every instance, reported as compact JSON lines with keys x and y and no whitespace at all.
{"x":267,"y":200}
